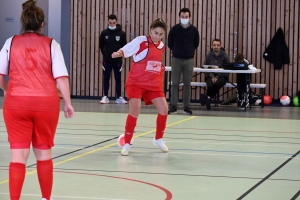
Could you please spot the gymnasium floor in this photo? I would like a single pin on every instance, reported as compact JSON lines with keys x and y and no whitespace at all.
{"x":222,"y":154}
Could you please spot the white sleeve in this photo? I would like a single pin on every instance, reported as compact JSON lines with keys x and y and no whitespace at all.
{"x":133,"y":47}
{"x":59,"y":68}
{"x":4,"y":57}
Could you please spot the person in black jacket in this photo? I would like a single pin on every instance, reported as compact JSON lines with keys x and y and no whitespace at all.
{"x":111,"y":40}
{"x":183,"y":40}
{"x":215,"y":81}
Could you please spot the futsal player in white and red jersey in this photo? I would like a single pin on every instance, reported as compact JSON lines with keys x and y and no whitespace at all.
{"x":34,"y":63}
{"x":145,"y":79}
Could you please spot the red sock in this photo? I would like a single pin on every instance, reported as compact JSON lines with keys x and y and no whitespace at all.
{"x":161,"y":122}
{"x":45,"y":176}
{"x":16,"y":179}
{"x":129,"y":128}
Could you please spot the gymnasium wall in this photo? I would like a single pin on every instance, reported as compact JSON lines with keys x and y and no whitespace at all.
{"x":245,"y":27}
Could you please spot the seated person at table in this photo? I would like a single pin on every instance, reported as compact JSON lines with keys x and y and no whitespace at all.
{"x":241,"y":85}
{"x":215,"y":81}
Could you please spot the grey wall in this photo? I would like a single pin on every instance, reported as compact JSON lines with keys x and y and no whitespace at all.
{"x":12,"y":9}
{"x":66,"y":30}
{"x":54,"y":19}
{"x":57,"y":21}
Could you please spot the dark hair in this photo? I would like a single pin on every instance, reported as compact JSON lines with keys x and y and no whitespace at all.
{"x":216,"y":40}
{"x":183,"y":10}
{"x":113,"y":17}
{"x":159,"y":23}
{"x":239,"y":57}
{"x":32,"y":16}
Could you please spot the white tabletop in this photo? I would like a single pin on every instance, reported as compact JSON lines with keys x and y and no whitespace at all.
{"x":221,"y":70}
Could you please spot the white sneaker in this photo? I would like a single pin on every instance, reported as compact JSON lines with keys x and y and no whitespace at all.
{"x":46,"y":199}
{"x":104,"y":100}
{"x":125,"y":150}
{"x":121,"y":100}
{"x":161,"y":144}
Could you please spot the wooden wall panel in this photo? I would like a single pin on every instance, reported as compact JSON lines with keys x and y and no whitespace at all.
{"x":245,"y":27}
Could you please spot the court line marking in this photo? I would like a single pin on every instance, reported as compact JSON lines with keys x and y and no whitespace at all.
{"x":214,"y":154}
{"x":296,"y":195}
{"x":223,"y":143}
{"x":68,"y":197}
{"x":104,"y":147}
{"x":67,"y":146}
{"x":268,"y":176}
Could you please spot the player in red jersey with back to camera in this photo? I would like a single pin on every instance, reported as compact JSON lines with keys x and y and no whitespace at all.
{"x":145,"y":79}
{"x":31,"y":106}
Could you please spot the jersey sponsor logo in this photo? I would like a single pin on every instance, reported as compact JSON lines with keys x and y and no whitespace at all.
{"x":117,"y":38}
{"x":146,"y":44}
{"x":153,"y":66}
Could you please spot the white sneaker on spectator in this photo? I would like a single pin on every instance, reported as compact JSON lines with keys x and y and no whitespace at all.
{"x":161,"y":144}
{"x":121,"y":100}
{"x":104,"y":100}
{"x":125,"y":150}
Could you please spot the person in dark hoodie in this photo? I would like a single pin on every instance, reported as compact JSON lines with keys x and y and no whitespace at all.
{"x":111,"y":40}
{"x":215,"y":81}
{"x":183,"y":40}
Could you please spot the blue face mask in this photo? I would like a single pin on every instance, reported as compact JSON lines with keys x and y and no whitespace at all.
{"x":184,"y":21}
{"x":112,"y":27}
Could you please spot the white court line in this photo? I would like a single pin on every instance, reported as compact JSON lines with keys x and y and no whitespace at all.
{"x":222,"y":143}
{"x":92,"y":138}
{"x":55,"y":147}
{"x":86,"y":137}
{"x":67,"y":197}
{"x":206,"y":147}
{"x":213,"y":154}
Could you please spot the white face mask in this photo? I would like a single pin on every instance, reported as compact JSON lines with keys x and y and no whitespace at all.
{"x":184,"y":21}
{"x":112,"y":27}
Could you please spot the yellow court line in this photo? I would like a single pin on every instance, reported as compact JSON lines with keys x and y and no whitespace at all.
{"x":101,"y":148}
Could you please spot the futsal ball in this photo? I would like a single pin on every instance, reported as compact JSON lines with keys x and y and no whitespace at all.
{"x":267,"y":100}
{"x":285,"y":100}
{"x":121,"y":141}
{"x":296,"y":101}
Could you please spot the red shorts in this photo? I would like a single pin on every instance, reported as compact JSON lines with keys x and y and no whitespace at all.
{"x":26,"y":126}
{"x":146,"y":93}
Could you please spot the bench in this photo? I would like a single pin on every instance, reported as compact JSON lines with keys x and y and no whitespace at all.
{"x":261,"y":86}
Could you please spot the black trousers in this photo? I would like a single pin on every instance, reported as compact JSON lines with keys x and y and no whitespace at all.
{"x":213,"y":88}
{"x":107,"y":68}
{"x":241,"y":85}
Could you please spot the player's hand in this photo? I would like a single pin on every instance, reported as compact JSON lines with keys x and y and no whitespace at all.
{"x":68,"y":111}
{"x":115,"y":55}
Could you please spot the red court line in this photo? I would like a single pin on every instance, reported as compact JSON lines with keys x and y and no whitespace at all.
{"x":168,"y":193}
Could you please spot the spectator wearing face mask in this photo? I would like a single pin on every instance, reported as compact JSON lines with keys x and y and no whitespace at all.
{"x":111,"y":40}
{"x":183,"y":40}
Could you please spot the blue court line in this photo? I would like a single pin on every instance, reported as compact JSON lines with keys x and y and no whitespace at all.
{"x":191,"y":150}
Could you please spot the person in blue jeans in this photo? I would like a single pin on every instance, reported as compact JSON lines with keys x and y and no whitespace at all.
{"x":111,"y":40}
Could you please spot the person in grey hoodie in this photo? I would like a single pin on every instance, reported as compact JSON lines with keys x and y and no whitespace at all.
{"x":215,"y":81}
